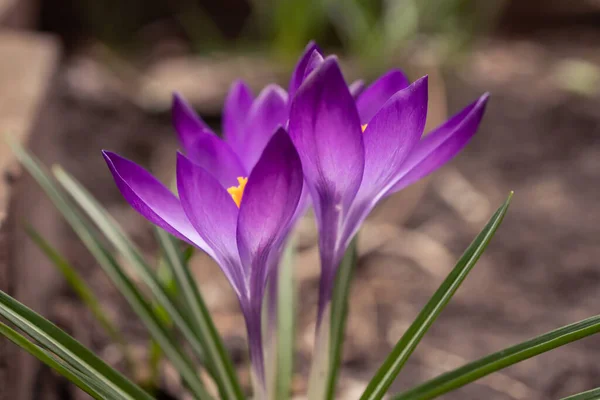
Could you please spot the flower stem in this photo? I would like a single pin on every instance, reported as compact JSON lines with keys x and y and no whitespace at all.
{"x":331,"y":322}
{"x":321,"y":362}
{"x":255,"y":344}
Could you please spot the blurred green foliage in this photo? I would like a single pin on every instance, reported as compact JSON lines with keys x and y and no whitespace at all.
{"x":374,"y":32}
{"x":377,"y":32}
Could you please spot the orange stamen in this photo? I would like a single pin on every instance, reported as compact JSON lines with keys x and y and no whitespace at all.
{"x":237,"y":192}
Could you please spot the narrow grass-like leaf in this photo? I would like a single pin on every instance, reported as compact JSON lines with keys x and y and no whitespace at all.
{"x":188,"y":253}
{"x":339,"y":312}
{"x":165,"y":277}
{"x":494,"y":362}
{"x":388,"y":372}
{"x":85,"y":294}
{"x":221,"y":365}
{"x":281,"y":347}
{"x":286,"y":312}
{"x":593,"y":394}
{"x":81,"y":380}
{"x":154,"y":358}
{"x":116,"y":273}
{"x":224,"y":376}
{"x":330,"y":332}
{"x":113,"y":232}
{"x":67,"y":348}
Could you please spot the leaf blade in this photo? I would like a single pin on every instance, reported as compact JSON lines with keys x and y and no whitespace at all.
{"x":67,"y":371}
{"x":329,"y":337}
{"x":67,"y":347}
{"x":339,"y":312}
{"x":222,"y":367}
{"x":593,"y":394}
{"x":502,"y":359}
{"x":113,"y":232}
{"x":115,"y":272}
{"x":84,"y":292}
{"x":389,"y":370}
{"x":280,"y":323}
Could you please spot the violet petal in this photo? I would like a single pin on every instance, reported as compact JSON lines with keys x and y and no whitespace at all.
{"x":268,"y":205}
{"x":298,"y":74}
{"x":213,"y":213}
{"x":441,"y":145}
{"x":325,"y":129}
{"x":389,"y":139}
{"x":314,"y":61}
{"x":216,"y":156}
{"x":187,"y":123}
{"x":378,"y":93}
{"x":269,"y":110}
{"x":235,"y":111}
{"x":356,"y":88}
{"x":392,"y":134}
{"x":152,"y":199}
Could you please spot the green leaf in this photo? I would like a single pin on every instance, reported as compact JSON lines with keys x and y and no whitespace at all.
{"x":593,"y":394}
{"x":116,"y":273}
{"x":339,"y":312}
{"x":388,"y":372}
{"x":155,"y":357}
{"x":87,"y":384}
{"x":188,"y":253}
{"x":166,"y":278}
{"x":330,"y":334}
{"x":494,"y":362}
{"x":67,"y":348}
{"x":286,"y":321}
{"x":131,"y":253}
{"x":85,"y":294}
{"x":280,"y":333}
{"x":220,"y":364}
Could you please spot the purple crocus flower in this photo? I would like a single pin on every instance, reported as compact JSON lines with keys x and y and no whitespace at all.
{"x":248,"y":124}
{"x":356,"y":152}
{"x":242,"y":228}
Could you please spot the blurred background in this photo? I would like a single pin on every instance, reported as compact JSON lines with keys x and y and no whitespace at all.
{"x":80,"y":76}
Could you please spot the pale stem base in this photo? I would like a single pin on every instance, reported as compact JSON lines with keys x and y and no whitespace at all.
{"x":321,"y":363}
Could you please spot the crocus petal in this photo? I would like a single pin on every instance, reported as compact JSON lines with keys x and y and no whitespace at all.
{"x":314,"y":61}
{"x":213,"y":213}
{"x":216,"y":156}
{"x":235,"y":111}
{"x":392,"y":134}
{"x":187,"y":123}
{"x":152,"y":199}
{"x":389,"y":139}
{"x":378,"y":93}
{"x":356,"y":88}
{"x":268,"y":205}
{"x":269,"y":110}
{"x":325,"y":129}
{"x":442,"y":144}
{"x":298,"y":74}
{"x":303,"y":205}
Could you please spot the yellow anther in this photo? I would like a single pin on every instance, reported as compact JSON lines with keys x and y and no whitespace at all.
{"x":237,"y":192}
{"x":363,"y":127}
